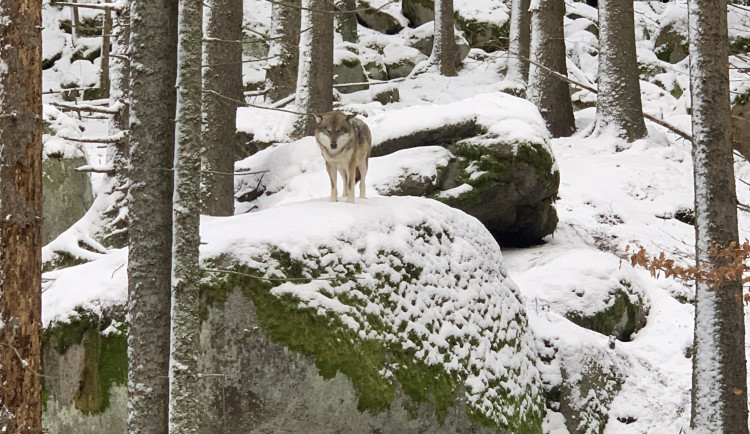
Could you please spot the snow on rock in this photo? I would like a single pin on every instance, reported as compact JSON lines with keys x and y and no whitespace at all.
{"x":422,"y":278}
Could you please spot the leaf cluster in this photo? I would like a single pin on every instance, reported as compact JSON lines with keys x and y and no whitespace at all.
{"x":723,"y":263}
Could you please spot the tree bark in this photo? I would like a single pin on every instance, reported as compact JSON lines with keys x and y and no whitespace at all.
{"x":520,"y":40}
{"x":315,"y":76}
{"x":114,"y":217}
{"x":281,"y":76}
{"x":346,"y":20}
{"x":719,"y":396}
{"x":153,"y":41}
{"x":223,"y":75}
{"x":184,"y":411}
{"x":21,"y":206}
{"x":618,"y":104}
{"x":550,"y":94}
{"x":444,"y":43}
{"x":104,"y":66}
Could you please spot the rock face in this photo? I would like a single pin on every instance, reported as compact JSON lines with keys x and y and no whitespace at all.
{"x":67,"y":194}
{"x":422,"y":39}
{"x":347,"y":68}
{"x":418,"y":12}
{"x":377,"y":19}
{"x":347,"y":328}
{"x":509,"y":186}
{"x":670,"y":46}
{"x":591,"y":380}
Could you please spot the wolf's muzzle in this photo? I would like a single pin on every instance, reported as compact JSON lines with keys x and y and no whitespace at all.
{"x":334,"y":146}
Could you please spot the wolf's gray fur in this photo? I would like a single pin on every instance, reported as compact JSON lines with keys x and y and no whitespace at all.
{"x":345,"y":143}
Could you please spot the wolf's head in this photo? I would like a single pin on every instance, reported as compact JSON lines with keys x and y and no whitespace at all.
{"x":333,"y":130}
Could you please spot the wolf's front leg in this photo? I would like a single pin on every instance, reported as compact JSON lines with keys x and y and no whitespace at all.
{"x":332,"y":176}
{"x":349,"y":181}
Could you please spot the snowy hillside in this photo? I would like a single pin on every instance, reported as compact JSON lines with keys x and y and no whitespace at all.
{"x":612,"y":195}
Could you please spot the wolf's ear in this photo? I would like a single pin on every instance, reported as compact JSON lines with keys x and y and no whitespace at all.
{"x":317,"y":119}
{"x":351,"y":116}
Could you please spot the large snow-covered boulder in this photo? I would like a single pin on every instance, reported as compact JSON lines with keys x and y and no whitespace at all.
{"x":392,"y":314}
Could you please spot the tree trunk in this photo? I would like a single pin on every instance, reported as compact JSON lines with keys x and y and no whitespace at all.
{"x":444,"y":43}
{"x":153,"y":41}
{"x":184,"y":411}
{"x":520,"y":40}
{"x":104,"y":66}
{"x":719,"y":398}
{"x":618,"y":104}
{"x":550,"y":94}
{"x":114,"y":216}
{"x":315,"y":76}
{"x":346,"y":20}
{"x":21,"y":206}
{"x":281,"y":76}
{"x":223,"y":78}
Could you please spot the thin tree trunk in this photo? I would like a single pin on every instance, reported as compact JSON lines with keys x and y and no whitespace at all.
{"x":719,"y":398}
{"x":184,"y":411}
{"x":281,"y":76}
{"x":346,"y":20}
{"x":153,"y":40}
{"x":444,"y":43}
{"x":550,"y":94}
{"x":618,"y":104}
{"x":315,"y":77}
{"x":222,"y":75}
{"x":21,"y":206}
{"x":104,"y":66}
{"x":76,"y":22}
{"x":115,"y":218}
{"x":520,"y":40}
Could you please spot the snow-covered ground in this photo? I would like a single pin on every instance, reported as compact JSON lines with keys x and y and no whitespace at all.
{"x":612,"y":195}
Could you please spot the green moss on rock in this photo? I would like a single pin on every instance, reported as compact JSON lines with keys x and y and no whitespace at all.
{"x":377,"y":367}
{"x":105,"y":357}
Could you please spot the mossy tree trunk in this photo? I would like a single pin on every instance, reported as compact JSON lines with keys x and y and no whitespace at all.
{"x":153,"y":38}
{"x":281,"y":75}
{"x":444,"y":44}
{"x":618,"y":104}
{"x":550,"y":94}
{"x":21,"y":206}
{"x":222,"y":81}
{"x":719,"y":395}
{"x":315,"y":75}
{"x":184,"y":411}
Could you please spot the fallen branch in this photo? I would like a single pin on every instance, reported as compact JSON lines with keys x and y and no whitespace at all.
{"x":114,"y":109}
{"x":102,"y":6}
{"x":119,"y":137}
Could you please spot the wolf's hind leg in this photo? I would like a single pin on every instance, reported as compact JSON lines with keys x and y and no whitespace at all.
{"x":362,"y":172}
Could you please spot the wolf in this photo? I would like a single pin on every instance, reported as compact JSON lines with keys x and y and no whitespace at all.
{"x":345,"y":143}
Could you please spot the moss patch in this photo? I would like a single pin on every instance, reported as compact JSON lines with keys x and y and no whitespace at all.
{"x":377,"y":364}
{"x":105,"y":357}
{"x":621,"y":319}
